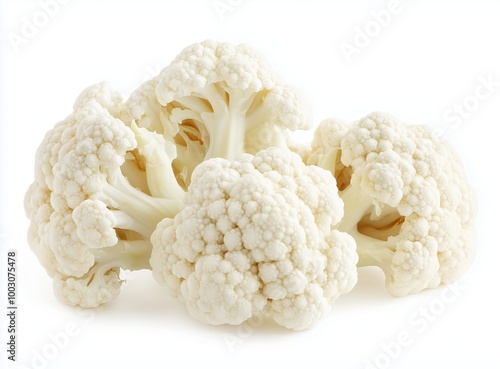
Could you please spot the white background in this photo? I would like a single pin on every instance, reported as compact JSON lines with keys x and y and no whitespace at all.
{"x":428,"y":57}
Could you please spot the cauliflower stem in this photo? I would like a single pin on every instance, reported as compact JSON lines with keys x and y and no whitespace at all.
{"x":223,"y":112}
{"x":137,"y":207}
{"x":371,"y":230}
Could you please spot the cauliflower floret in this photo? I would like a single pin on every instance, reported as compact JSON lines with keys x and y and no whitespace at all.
{"x":256,"y":235}
{"x":100,"y":188}
{"x":219,"y":100}
{"x":408,"y":202}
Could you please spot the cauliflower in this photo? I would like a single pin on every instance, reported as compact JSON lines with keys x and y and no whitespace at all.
{"x":108,"y":173}
{"x":408,"y":203}
{"x":196,"y":177}
{"x":219,"y":100}
{"x":256,"y":236}
{"x":101,"y":186}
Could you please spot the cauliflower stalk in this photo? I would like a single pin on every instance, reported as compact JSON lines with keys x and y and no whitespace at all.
{"x":408,"y":203}
{"x":256,"y":235}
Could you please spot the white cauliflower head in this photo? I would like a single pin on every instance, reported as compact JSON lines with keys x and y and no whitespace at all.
{"x":101,"y":186}
{"x":408,"y":202}
{"x":219,"y":100}
{"x":256,"y":235}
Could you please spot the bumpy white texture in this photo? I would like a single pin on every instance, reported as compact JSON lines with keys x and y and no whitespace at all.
{"x":408,"y":202}
{"x":219,"y":100}
{"x":256,"y":236}
{"x":91,"y":206}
